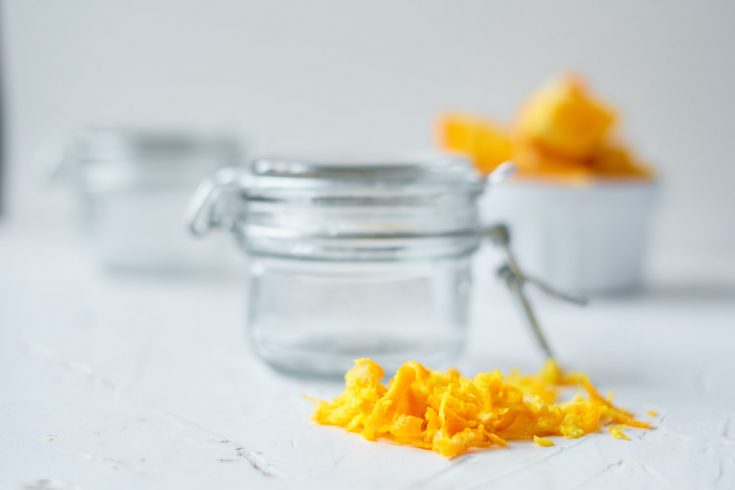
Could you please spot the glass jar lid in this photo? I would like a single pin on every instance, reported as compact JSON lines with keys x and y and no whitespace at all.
{"x":294,"y":178}
{"x":374,"y":210}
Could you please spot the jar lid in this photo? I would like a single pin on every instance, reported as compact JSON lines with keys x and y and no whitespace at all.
{"x":369,"y":210}
{"x":357,"y":180}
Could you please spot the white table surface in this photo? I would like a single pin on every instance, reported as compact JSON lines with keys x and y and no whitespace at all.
{"x":131,"y":382}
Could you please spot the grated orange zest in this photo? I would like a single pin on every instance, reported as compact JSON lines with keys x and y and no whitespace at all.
{"x":617,"y":433}
{"x":543,"y":441}
{"x":451,"y":414}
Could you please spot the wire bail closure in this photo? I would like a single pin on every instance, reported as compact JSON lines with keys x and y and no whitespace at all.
{"x":209,"y":207}
{"x":516,"y":280}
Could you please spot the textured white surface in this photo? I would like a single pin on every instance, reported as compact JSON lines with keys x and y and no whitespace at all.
{"x":124,"y":382}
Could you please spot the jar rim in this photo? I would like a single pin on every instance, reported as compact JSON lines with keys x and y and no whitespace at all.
{"x":443,"y":174}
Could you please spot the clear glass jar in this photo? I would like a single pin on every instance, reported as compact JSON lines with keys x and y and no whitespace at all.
{"x":132,"y":186}
{"x":351,"y":260}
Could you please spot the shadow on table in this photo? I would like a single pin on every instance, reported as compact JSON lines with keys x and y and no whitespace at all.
{"x":691,"y":291}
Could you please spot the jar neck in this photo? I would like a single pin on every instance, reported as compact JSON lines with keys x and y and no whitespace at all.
{"x":446,"y":226}
{"x":365,"y":249}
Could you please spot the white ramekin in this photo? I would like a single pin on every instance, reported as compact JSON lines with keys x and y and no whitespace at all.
{"x":586,"y":239}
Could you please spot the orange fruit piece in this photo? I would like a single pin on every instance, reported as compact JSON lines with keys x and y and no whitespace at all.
{"x":485,"y":143}
{"x":565,"y":118}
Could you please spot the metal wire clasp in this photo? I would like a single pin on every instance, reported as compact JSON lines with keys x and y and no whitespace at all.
{"x":516,"y":281}
{"x":209,"y":207}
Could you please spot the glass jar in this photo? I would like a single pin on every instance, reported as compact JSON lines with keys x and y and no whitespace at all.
{"x":132,"y":186}
{"x":351,"y":260}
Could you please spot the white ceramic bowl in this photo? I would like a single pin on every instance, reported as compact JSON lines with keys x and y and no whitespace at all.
{"x":586,"y":239}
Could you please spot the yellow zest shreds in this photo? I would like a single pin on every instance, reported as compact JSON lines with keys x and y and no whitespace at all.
{"x":617,"y":433}
{"x":652,"y":413}
{"x":543,"y":441}
{"x":451,"y":414}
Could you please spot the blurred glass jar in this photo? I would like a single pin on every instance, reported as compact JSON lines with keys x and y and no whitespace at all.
{"x":132,"y":186}
{"x":351,"y":260}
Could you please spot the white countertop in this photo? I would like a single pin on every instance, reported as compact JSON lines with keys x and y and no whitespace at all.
{"x":138,"y":383}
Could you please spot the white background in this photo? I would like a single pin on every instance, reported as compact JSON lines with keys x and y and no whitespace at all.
{"x":373,"y":75}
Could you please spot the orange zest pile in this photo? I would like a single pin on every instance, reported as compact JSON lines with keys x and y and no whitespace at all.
{"x":451,"y":414}
{"x":562,"y":133}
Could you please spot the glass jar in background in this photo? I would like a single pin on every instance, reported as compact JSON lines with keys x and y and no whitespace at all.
{"x":351,"y":260}
{"x":132,"y":186}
